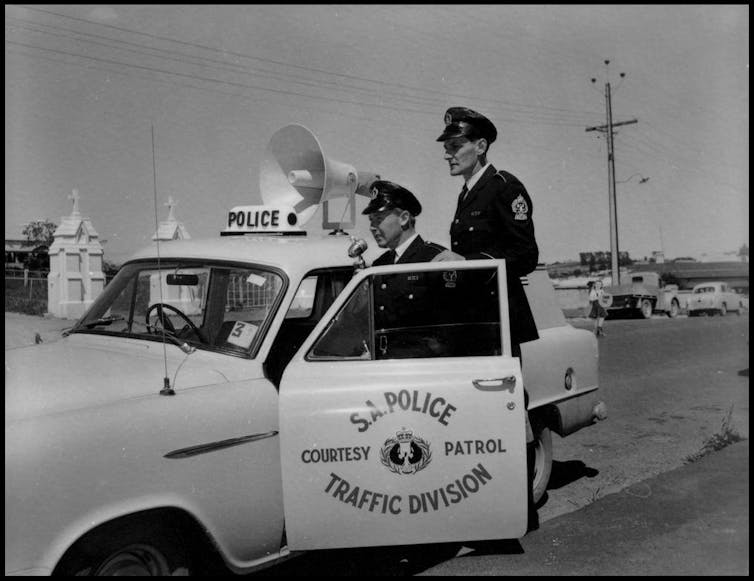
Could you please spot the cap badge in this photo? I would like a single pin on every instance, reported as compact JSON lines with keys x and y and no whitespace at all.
{"x":448,"y":119}
{"x":520,"y":208}
{"x":374,"y":192}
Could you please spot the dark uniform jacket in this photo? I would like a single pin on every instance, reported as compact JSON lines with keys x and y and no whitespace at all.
{"x":399,"y":297}
{"x":417,"y":251}
{"x":495,"y":221}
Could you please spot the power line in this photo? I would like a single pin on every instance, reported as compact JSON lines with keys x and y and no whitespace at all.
{"x":201,"y":60}
{"x":174,"y":83}
{"x":210,"y":79}
{"x":262,"y":88}
{"x":499,"y":103}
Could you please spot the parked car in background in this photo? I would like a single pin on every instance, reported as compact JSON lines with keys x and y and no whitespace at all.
{"x":711,"y":298}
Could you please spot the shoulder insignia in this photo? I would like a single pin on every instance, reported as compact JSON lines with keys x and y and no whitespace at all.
{"x":501,"y":176}
{"x":520,"y":208}
{"x":435,"y":245}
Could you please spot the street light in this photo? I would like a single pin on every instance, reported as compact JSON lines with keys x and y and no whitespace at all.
{"x":643,"y":180}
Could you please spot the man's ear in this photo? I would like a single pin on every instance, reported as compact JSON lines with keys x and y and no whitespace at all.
{"x":482,"y":145}
{"x":405,"y":219}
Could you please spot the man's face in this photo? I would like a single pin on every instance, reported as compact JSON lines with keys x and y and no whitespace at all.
{"x":462,"y":155}
{"x":386,"y":227}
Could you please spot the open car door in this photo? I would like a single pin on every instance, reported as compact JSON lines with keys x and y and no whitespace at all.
{"x":402,"y":415}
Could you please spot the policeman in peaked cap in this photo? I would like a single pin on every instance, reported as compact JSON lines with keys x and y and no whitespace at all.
{"x":493,"y":219}
{"x":463,"y":122}
{"x":399,"y":297}
{"x":392,"y":215}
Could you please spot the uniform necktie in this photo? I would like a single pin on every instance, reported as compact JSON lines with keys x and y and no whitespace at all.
{"x":393,"y":255}
{"x":464,"y":191}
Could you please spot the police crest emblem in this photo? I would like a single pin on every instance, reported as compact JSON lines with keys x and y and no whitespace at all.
{"x":406,"y":453}
{"x":520,"y":208}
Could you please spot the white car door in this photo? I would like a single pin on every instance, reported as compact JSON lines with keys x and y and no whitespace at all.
{"x":402,"y":415}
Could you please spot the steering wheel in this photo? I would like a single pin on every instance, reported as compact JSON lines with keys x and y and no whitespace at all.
{"x":165,"y":320}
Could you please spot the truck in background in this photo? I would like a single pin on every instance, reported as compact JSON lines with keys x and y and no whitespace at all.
{"x":644,"y":295}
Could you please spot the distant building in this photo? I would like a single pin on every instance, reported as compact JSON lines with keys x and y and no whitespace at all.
{"x":21,"y":253}
{"x":688,"y":273}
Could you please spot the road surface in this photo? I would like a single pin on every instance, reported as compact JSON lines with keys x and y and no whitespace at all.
{"x":622,"y":499}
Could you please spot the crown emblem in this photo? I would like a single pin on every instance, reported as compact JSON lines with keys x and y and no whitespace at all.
{"x":403,"y":435}
{"x":406,"y":453}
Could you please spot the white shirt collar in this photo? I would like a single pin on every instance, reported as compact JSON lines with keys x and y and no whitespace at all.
{"x":402,"y":248}
{"x":475,"y":178}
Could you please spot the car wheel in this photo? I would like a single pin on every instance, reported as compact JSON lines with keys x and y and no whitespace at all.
{"x":144,"y":549}
{"x":646,"y":309}
{"x":723,"y":310}
{"x":674,"y":309}
{"x":542,"y":463}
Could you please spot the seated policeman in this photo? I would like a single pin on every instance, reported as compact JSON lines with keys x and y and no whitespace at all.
{"x":392,"y":215}
{"x":400,"y":308}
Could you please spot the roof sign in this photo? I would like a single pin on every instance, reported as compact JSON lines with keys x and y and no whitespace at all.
{"x":277,"y":220}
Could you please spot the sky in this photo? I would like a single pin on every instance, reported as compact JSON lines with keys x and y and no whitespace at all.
{"x":87,"y":86}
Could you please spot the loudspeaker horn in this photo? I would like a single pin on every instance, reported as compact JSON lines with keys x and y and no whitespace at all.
{"x":295,"y":172}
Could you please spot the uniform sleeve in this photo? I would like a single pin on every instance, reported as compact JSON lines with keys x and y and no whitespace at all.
{"x":514,"y":239}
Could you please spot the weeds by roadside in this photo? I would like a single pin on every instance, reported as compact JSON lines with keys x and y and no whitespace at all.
{"x":725,"y":437}
{"x":29,"y":298}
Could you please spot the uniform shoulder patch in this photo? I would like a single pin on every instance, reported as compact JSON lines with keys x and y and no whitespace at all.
{"x":435,"y":245}
{"x":501,"y":176}
{"x":520,"y":208}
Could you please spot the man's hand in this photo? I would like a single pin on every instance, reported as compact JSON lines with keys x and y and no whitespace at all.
{"x":447,"y":255}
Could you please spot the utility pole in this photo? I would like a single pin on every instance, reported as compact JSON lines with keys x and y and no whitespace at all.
{"x":608,"y":128}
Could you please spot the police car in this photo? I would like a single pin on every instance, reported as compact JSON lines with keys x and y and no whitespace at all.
{"x":248,"y":397}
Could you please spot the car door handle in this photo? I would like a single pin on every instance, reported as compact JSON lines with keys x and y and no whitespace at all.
{"x":499,"y":384}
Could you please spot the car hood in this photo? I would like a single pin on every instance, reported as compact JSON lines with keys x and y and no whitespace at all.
{"x":84,"y":371}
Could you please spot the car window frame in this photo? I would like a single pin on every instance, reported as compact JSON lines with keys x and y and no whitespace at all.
{"x":166,"y":263}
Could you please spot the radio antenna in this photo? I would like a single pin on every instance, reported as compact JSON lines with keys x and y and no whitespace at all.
{"x":166,"y":389}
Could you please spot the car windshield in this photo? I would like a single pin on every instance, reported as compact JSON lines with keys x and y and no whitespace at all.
{"x":214,"y":306}
{"x":704,"y":289}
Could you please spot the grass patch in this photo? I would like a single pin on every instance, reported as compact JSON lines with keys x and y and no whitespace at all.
{"x":30,"y":299}
{"x":725,"y":437}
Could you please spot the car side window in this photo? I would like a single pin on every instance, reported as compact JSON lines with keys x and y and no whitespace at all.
{"x":348,"y":333}
{"x":437,"y":314}
{"x":416,"y":314}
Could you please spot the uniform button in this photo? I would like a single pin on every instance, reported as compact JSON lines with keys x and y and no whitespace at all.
{"x":456,"y":221}
{"x":471,"y":228}
{"x":410,"y":296}
{"x":384,"y":286}
{"x":382,"y":307}
{"x":455,"y":243}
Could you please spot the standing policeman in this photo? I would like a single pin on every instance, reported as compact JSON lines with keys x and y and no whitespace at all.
{"x":493,"y":219}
